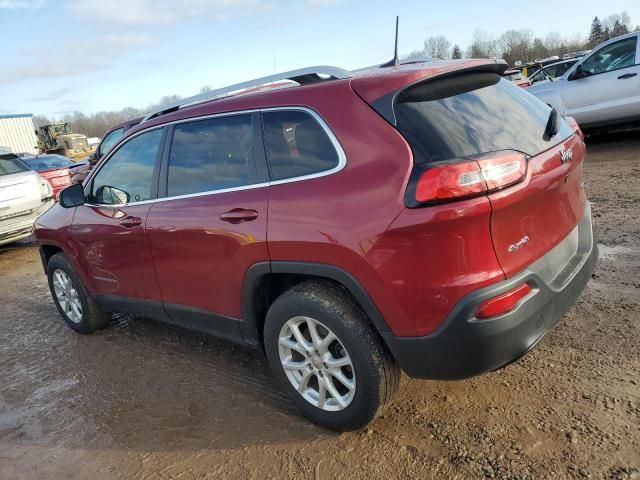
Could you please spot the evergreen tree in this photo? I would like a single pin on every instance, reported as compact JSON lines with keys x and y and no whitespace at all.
{"x":457,"y":53}
{"x":595,"y":34}
{"x":619,"y":29}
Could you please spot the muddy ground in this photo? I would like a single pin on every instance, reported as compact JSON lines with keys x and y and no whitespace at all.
{"x":144,"y":400}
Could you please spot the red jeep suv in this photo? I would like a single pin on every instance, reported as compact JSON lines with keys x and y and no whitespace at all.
{"x":429,"y":218}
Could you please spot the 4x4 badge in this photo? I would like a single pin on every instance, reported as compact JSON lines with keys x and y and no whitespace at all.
{"x":566,"y":155}
{"x":523,"y":241}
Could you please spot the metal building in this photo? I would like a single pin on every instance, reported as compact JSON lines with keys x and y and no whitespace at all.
{"x":17,"y":133}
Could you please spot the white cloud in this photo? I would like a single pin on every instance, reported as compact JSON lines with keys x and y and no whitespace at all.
{"x":23,"y":4}
{"x":163,"y":12}
{"x":143,"y":12}
{"x":90,"y":55}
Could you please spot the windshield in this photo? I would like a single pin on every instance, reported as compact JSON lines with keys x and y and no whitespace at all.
{"x":11,"y":165}
{"x":514,"y":76}
{"x":47,"y":162}
{"x":471,"y":114}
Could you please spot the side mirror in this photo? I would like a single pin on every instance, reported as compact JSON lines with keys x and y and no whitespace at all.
{"x":72,"y":196}
{"x":112,"y":195}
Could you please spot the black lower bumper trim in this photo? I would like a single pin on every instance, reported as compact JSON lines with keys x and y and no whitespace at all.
{"x":464,"y":346}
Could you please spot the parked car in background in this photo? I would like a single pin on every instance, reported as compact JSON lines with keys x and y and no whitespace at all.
{"x":24,"y":195}
{"x":517,"y":77}
{"x":351,"y":225}
{"x":57,"y":169}
{"x":602,"y":90}
{"x":552,"y":71}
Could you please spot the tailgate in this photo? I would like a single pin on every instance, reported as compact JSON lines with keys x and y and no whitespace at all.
{"x":530,"y":219}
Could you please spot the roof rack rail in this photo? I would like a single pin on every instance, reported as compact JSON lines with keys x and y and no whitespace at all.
{"x":301,"y":76}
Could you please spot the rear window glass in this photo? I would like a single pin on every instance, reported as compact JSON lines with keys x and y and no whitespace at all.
{"x":296,"y":145}
{"x":471,"y":114}
{"x":46,"y":162}
{"x":11,"y":165}
{"x":211,"y":154}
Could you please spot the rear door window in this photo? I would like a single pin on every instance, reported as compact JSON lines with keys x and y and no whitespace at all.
{"x":471,"y":114}
{"x":10,"y":165}
{"x":297,"y":145}
{"x":212,"y":154}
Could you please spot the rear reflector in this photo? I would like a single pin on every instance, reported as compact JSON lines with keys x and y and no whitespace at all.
{"x":502,"y":303}
{"x":468,"y":178}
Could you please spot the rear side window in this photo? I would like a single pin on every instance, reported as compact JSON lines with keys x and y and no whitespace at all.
{"x":296,"y":145}
{"x":471,"y":114}
{"x":211,"y":154}
{"x":10,"y":165}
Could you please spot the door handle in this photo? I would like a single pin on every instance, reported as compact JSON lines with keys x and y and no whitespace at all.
{"x":239,"y":215}
{"x":627,"y":75}
{"x":130,"y":222}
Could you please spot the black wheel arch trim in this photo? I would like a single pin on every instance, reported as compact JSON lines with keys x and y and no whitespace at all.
{"x":251,"y":323}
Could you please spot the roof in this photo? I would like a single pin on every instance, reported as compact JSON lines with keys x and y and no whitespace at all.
{"x":371,"y":84}
{"x":17,"y":115}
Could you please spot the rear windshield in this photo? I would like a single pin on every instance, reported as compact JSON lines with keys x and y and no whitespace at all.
{"x":471,"y":114}
{"x":11,"y":165}
{"x":47,"y":162}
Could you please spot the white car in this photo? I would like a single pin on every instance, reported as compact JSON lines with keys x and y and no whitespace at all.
{"x":602,"y":89}
{"x":24,"y":196}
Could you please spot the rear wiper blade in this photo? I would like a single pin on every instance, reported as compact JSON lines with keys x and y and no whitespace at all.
{"x":552,"y":125}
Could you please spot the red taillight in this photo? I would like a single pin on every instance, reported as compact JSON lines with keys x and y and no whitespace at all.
{"x":502,"y":303}
{"x":472,"y":177}
{"x":575,"y":127}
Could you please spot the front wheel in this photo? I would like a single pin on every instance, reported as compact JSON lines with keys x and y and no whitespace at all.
{"x":325,"y":355}
{"x":75,"y":305}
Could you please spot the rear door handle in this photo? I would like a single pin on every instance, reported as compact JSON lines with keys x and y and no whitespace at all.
{"x":239,"y":215}
{"x":627,"y":75}
{"x":130,"y":222}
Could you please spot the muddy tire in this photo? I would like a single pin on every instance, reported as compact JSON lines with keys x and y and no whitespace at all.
{"x":327,"y":357}
{"x":72,"y":300}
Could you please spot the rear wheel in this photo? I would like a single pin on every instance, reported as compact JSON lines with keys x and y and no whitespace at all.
{"x":326,"y":356}
{"x":74,"y":304}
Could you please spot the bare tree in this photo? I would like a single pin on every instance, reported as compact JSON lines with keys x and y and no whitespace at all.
{"x":622,"y":18}
{"x":483,"y":45}
{"x":515,"y":45}
{"x":438,"y":47}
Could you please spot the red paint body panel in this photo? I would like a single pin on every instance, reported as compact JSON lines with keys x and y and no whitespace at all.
{"x":428,"y":260}
{"x":200,"y":260}
{"x":116,"y":259}
{"x":544,"y":208}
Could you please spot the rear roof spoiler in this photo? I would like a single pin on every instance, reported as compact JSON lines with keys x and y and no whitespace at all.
{"x":383,"y":101}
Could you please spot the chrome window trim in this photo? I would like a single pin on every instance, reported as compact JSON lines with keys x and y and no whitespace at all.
{"x":342,"y":157}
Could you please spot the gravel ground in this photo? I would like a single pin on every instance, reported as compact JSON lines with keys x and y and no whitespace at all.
{"x":144,"y":400}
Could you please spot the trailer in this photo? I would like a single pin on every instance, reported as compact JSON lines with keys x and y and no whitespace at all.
{"x":17,"y":133}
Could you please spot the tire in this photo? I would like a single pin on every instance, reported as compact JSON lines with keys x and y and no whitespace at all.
{"x":373,"y":375}
{"x":91,"y":317}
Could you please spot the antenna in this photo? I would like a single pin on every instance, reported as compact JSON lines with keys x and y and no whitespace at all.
{"x":394,"y":62}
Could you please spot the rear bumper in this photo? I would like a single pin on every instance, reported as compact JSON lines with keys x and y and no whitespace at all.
{"x":17,"y":228}
{"x":464,"y":346}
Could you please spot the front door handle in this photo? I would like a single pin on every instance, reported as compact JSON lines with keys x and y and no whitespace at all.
{"x":130,"y":222}
{"x":627,"y":75}
{"x":239,"y":215}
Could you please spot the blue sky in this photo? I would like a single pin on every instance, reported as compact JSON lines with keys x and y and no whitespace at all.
{"x":91,"y":55}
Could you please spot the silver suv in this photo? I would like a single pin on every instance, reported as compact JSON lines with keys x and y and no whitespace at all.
{"x":602,"y":89}
{"x":24,"y":195}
